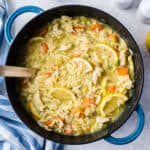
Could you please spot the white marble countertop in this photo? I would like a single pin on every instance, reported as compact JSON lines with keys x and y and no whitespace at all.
{"x":139,"y":31}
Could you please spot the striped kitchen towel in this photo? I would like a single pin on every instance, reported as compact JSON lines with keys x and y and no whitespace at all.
{"x":14,"y":135}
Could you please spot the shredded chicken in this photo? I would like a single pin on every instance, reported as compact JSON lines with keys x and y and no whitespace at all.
{"x":96,"y":74}
{"x":37,"y":101}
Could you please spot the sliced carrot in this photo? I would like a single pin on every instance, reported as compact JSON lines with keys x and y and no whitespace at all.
{"x":87,"y":129}
{"x":79,"y":27}
{"x":97,"y":26}
{"x":90,"y":72}
{"x":48,"y":122}
{"x":92,"y":101}
{"x":55,"y":67}
{"x":82,"y":114}
{"x":78,"y":111}
{"x":122,"y":71}
{"x":69,"y":130}
{"x":114,"y":37}
{"x":61,"y":118}
{"x":112,"y":88}
{"x":87,"y":102}
{"x":66,"y":131}
{"x":75,"y":56}
{"x":44,"y":46}
{"x":74,"y":32}
{"x":47,"y":74}
{"x":43,"y":31}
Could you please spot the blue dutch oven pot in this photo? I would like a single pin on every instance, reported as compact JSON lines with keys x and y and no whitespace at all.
{"x":16,"y":49}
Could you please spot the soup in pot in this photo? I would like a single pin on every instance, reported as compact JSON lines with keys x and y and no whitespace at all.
{"x":85,"y":73}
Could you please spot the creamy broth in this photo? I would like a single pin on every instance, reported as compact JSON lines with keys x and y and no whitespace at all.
{"x":84,"y":73}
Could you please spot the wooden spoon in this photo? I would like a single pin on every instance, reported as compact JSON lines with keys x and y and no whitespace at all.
{"x":11,"y":71}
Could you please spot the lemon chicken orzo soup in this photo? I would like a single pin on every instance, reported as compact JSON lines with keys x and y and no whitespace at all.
{"x":85,"y":73}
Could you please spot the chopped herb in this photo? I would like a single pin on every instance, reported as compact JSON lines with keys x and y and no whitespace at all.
{"x":83,"y":18}
{"x":109,"y":67}
{"x":116,"y":63}
{"x":90,"y":78}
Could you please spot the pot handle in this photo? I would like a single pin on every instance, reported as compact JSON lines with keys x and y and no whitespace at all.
{"x":131,"y":137}
{"x":14,"y":15}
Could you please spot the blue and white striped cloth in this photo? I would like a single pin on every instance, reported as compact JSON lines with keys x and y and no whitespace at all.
{"x":14,"y":135}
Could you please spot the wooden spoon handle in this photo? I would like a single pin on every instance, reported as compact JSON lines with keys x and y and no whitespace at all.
{"x":11,"y":71}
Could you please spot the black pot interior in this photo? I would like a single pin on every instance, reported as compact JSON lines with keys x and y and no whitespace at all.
{"x":16,"y":51}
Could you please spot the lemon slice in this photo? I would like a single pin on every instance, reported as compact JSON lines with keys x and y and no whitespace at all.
{"x":148,"y":41}
{"x":107,"y":55}
{"x":62,"y":94}
{"x":33,"y":110}
{"x":111,"y":102}
{"x":108,"y":48}
{"x":83,"y":63}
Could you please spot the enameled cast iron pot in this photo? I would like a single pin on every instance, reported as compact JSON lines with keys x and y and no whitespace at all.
{"x":26,"y":33}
